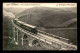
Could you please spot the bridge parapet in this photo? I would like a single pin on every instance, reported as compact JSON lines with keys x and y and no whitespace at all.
{"x":54,"y":36}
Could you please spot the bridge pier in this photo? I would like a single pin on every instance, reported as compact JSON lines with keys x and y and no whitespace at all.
{"x":17,"y":37}
{"x":13,"y":38}
{"x":20,"y":34}
{"x":14,"y":35}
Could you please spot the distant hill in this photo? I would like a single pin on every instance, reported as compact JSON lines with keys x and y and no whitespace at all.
{"x":72,"y":9}
{"x":15,"y":11}
{"x":46,"y":17}
{"x":8,"y":14}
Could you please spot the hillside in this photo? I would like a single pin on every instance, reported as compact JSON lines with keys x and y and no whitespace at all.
{"x":47,"y":19}
{"x":7,"y":16}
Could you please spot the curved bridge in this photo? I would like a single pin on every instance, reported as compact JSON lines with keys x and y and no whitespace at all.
{"x":41,"y":38}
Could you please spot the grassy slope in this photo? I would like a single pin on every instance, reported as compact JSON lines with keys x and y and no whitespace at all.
{"x":47,"y":16}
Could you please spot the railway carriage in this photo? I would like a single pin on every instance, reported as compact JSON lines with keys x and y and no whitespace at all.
{"x":25,"y":26}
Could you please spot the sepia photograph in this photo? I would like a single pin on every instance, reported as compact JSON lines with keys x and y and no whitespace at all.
{"x":39,"y":26}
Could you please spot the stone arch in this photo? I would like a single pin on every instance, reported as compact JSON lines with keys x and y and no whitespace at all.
{"x":25,"y":39}
{"x":46,"y":46}
{"x":33,"y":42}
{"x":25,"y":36}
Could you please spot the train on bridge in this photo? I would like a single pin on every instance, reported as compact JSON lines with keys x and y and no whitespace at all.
{"x":25,"y":26}
{"x":34,"y":30}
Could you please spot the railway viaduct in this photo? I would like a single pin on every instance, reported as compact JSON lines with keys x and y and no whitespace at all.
{"x":20,"y":35}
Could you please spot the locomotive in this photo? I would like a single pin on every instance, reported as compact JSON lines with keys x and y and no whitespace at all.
{"x":25,"y":26}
